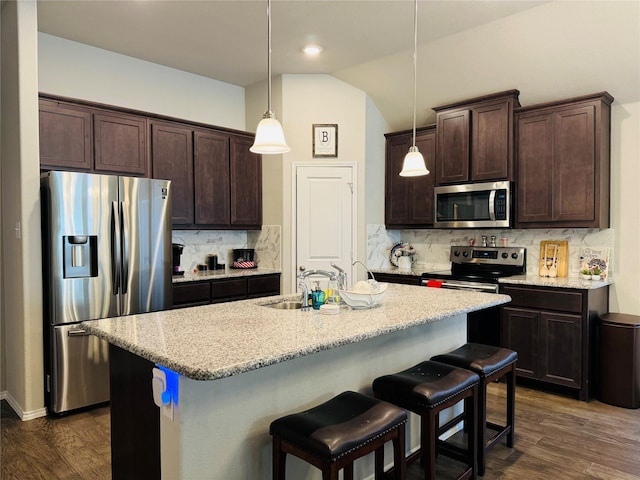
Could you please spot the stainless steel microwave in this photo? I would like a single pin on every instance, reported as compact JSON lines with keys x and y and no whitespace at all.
{"x":474,"y":205}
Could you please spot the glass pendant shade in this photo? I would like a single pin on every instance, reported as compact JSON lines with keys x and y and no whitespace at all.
{"x":269,"y":137}
{"x":413,"y":165}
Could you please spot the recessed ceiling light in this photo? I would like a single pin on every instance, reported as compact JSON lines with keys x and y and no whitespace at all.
{"x":312,"y":49}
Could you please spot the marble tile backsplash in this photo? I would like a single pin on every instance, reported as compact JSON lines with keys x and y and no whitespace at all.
{"x":433,"y":246}
{"x":198,"y":244}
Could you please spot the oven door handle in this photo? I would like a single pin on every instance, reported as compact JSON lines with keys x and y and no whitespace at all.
{"x":459,"y":286}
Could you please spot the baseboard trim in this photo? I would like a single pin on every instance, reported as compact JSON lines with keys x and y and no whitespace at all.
{"x":23,"y":415}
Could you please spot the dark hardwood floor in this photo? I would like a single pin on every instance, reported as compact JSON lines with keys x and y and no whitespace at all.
{"x":75,"y":447}
{"x":557,"y":438}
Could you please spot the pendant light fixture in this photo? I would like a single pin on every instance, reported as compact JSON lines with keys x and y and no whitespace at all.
{"x":269,"y":135}
{"x":413,"y":165}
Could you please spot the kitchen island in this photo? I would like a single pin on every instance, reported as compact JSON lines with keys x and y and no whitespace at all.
{"x":240,"y":365}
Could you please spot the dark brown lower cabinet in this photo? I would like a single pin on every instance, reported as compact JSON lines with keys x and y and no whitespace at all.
{"x":404,"y":279}
{"x":135,"y":418}
{"x":189,"y":294}
{"x":554,"y":332}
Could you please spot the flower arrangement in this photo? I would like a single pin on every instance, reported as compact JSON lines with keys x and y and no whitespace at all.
{"x":592,"y":273}
{"x":406,"y":249}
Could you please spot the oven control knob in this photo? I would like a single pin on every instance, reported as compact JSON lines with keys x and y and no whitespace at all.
{"x":456,"y":253}
{"x":505,"y":255}
{"x":465,"y":253}
{"x":514,"y":255}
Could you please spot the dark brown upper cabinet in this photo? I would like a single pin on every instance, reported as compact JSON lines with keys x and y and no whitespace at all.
{"x":563,"y":163}
{"x":475,"y":139}
{"x":211,"y":181}
{"x":66,"y":136}
{"x":409,"y":200}
{"x":216,"y":180}
{"x":120,"y":144}
{"x":172,"y":154}
{"x":245,"y":183}
{"x":88,"y":138}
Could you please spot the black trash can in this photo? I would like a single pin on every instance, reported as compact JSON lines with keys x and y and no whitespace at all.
{"x":619,"y":360}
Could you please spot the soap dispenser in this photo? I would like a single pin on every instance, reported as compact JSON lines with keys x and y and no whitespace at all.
{"x":317,"y":296}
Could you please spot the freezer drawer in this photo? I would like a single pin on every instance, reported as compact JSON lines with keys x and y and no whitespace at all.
{"x":79,"y":369}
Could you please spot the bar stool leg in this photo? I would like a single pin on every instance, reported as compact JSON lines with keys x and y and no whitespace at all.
{"x":348,"y":472}
{"x":428,"y":442}
{"x":481,"y":426}
{"x":279,"y":460}
{"x":399,"y":454}
{"x":379,"y":462}
{"x":330,"y":471}
{"x":511,"y":403}
{"x":472,"y":433}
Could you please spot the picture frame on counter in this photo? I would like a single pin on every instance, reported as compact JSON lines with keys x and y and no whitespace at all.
{"x":325,"y":139}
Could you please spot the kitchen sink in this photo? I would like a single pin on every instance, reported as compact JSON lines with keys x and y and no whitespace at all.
{"x":285,"y":305}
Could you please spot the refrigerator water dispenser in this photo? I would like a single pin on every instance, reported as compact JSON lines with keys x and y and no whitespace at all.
{"x":80,"y":256}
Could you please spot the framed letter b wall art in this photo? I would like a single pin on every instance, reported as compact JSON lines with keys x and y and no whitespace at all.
{"x":325,"y":140}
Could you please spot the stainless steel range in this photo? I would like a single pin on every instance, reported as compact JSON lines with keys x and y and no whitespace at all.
{"x":479,"y":269}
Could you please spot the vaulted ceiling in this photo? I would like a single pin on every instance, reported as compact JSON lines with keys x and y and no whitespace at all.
{"x":367,"y":43}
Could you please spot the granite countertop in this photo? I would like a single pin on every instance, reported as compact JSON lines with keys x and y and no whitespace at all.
{"x":226,"y":273}
{"x":529,"y":279}
{"x":559,"y":282}
{"x":221,"y":340}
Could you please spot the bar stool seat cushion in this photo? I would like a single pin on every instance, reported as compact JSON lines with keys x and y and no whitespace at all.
{"x":480,"y":358}
{"x":340,"y":425}
{"x":424,"y":385}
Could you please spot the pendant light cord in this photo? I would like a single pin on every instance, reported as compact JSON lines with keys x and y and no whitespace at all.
{"x":269,"y":56}
{"x":415,"y":63}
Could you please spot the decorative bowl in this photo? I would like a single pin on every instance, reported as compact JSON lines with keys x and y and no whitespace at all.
{"x":364,"y":300}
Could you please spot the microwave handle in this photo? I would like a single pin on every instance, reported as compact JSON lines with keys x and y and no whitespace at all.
{"x":492,"y":205}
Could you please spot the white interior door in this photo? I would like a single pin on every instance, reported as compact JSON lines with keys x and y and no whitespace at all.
{"x":325,"y":218}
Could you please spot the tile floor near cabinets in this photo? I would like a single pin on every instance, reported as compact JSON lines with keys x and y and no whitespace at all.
{"x":557,"y":438}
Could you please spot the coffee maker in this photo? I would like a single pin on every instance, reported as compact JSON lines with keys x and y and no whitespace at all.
{"x":177,"y":251}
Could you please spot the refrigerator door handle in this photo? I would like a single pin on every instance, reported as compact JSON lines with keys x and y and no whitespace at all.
{"x":77,"y":332}
{"x":115,"y":248}
{"x":125,"y":247}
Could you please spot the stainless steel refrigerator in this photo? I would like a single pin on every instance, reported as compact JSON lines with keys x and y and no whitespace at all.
{"x":106,"y":252}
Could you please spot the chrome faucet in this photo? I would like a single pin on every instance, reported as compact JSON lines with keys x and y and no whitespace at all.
{"x":342,"y":277}
{"x":307,"y":273}
{"x":365,"y":266}
{"x":304,"y":299}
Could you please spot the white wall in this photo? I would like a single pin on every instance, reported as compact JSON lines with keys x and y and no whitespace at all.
{"x":76,"y":70}
{"x":375,"y":171}
{"x":625,"y":207}
{"x":21,"y":255}
{"x":307,"y":100}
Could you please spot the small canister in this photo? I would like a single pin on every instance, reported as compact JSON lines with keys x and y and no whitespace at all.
{"x":212,"y":262}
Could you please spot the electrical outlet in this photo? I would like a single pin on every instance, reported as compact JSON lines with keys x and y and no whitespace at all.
{"x":17,"y":229}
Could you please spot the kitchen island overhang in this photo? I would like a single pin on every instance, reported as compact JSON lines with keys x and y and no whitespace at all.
{"x":265,"y":363}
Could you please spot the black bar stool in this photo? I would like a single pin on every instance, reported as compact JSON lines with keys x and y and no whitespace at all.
{"x":332,"y":435}
{"x":490,"y":363}
{"x":426,"y":389}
